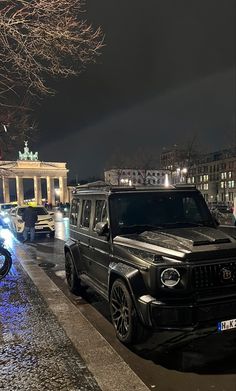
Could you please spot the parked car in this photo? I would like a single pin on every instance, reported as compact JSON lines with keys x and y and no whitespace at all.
{"x":4,"y":213}
{"x":45,"y":223}
{"x":223,"y":214}
{"x":156,"y":255}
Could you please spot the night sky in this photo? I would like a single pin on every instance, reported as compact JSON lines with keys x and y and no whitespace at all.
{"x":167,"y":73}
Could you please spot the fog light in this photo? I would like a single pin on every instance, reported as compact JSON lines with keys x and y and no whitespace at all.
{"x":170,"y":277}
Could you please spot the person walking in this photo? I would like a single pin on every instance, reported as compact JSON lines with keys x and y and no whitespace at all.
{"x":30,"y":218}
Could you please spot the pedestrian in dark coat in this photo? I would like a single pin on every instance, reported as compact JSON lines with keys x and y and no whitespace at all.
{"x":30,"y":218}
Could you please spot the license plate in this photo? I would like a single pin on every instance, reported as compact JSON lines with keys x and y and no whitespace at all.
{"x":227,"y":325}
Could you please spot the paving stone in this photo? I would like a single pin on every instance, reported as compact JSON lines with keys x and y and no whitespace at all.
{"x":35,"y":353}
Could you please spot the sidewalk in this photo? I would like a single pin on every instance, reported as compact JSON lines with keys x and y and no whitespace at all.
{"x":47,"y":344}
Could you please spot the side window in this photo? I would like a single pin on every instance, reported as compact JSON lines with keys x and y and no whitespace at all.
{"x":74,"y":212}
{"x":86,"y":212}
{"x":100,"y":212}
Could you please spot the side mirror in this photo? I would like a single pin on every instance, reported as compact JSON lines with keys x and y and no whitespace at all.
{"x":101,"y":229}
{"x":215,"y":219}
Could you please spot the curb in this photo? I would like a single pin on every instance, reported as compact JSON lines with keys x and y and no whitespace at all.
{"x":107,"y":367}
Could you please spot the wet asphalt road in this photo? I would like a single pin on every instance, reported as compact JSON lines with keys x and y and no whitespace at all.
{"x":166,"y":362}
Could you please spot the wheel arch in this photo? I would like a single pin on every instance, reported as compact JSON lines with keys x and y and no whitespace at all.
{"x":133,"y":280}
{"x":72,"y":248}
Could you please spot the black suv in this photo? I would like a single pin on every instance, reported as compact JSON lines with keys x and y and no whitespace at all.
{"x":156,"y":254}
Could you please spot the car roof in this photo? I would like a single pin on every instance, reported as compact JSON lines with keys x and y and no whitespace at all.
{"x":8,"y":203}
{"x":107,"y":189}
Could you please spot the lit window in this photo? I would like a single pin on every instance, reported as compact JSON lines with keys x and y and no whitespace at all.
{"x":223,"y":175}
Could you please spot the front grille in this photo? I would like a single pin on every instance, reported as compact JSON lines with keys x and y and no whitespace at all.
{"x":214,"y":275}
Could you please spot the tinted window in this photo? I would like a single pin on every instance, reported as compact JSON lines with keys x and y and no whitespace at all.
{"x":8,"y":206}
{"x":86,"y":211}
{"x":100,"y":212}
{"x":143,"y":211}
{"x":74,"y":212}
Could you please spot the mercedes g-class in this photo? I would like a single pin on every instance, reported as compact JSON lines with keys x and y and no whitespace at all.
{"x":156,"y":254}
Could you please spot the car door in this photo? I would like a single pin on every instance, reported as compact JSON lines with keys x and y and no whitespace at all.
{"x":99,"y":246}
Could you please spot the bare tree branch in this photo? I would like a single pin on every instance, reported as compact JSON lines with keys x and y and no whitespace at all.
{"x":42,"y":38}
{"x":39,"y":40}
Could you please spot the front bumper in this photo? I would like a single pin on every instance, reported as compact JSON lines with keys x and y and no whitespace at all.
{"x":159,"y":315}
{"x":38,"y":228}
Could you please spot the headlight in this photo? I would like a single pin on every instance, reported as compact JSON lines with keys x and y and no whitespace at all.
{"x":20,"y":221}
{"x":170,"y":277}
{"x":50,"y":219}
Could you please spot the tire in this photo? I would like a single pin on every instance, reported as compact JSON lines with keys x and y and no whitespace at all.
{"x":5,"y":262}
{"x":124,"y":316}
{"x":52,"y":234}
{"x":72,"y":278}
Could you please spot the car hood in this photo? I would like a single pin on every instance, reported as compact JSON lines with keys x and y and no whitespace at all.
{"x":44,"y":217}
{"x":180,"y":242}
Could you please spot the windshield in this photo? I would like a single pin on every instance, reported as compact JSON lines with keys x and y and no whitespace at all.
{"x":137,"y":212}
{"x":7,"y":206}
{"x":40,"y":211}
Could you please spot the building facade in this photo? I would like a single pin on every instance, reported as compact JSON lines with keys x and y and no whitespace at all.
{"x":214,"y":174}
{"x":28,"y":166}
{"x":130,"y":176}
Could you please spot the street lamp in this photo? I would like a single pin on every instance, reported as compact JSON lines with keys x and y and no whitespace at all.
{"x":167,"y":182}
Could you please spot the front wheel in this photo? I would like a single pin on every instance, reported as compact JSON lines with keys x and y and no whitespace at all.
{"x":5,"y":262}
{"x":124,"y":316}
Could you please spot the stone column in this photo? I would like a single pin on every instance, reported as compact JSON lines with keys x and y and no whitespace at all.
{"x":50,"y":190}
{"x":19,"y":190}
{"x":37,"y":190}
{"x":63,"y":189}
{"x":5,"y":186}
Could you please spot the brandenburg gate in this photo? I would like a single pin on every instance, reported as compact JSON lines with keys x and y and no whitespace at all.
{"x":28,"y":166}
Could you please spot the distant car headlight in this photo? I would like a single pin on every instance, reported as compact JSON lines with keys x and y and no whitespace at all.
{"x":170,"y":277}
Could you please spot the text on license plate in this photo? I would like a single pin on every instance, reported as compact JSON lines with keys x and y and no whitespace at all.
{"x":227,"y":325}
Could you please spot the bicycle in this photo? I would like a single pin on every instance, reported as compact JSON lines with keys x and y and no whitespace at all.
{"x":5,"y":260}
